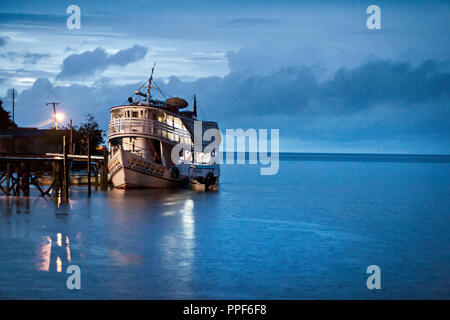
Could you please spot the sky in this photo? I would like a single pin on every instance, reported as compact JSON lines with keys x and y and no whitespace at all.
{"x":312,"y":69}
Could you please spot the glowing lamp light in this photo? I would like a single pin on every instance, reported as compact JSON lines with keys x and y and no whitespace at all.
{"x":59,"y":116}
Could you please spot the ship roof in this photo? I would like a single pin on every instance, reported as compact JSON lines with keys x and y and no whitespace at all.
{"x":176,"y":114}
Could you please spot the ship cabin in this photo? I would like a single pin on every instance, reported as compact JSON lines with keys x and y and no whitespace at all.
{"x":151,"y":132}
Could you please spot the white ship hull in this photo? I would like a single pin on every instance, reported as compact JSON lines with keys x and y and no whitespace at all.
{"x":128,"y":170}
{"x":127,"y":179}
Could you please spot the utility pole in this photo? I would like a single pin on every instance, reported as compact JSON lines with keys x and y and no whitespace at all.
{"x":13,"y":107}
{"x":54,"y":112}
{"x":12,"y":125}
{"x":71,"y":138}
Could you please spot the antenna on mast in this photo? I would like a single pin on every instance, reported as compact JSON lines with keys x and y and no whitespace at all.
{"x":195,"y":107}
{"x":150,"y":83}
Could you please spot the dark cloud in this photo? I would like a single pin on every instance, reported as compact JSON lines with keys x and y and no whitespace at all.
{"x":91,"y":62}
{"x":299,"y":91}
{"x":127,"y":56}
{"x":378,"y":100}
{"x":27,"y":57}
{"x":3,"y":40}
{"x":33,"y":58}
{"x":383,"y":82}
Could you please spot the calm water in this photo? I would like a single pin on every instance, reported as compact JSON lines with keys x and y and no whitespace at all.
{"x":308,"y":232}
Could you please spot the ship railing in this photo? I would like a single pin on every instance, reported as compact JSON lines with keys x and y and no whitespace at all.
{"x":148,"y":127}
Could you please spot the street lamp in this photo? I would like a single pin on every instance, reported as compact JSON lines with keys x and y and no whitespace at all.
{"x":54,"y":112}
{"x":59,"y":116}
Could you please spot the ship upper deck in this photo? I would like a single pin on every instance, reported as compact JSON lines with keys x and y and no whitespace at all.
{"x":147,"y":122}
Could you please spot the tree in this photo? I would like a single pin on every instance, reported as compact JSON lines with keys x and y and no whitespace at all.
{"x":90,"y":129}
{"x":5,"y":118}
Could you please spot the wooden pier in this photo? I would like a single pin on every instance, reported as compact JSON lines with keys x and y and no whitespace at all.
{"x":19,"y":172}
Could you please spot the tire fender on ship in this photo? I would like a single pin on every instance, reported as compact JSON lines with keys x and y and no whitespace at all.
{"x":175,"y":173}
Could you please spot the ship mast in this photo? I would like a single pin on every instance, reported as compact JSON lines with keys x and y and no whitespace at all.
{"x":150,"y":84}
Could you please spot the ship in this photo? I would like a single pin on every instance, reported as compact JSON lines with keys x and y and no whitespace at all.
{"x":143,"y":134}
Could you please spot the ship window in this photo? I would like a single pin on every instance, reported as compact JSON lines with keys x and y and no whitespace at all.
{"x":117,"y":114}
{"x":201,"y":157}
{"x":158,"y":116}
{"x":187,"y":155}
{"x":178,"y":123}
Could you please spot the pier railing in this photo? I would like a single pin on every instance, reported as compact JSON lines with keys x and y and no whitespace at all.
{"x":147,"y":127}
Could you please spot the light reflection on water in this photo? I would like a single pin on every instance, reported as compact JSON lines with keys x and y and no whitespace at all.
{"x":300,"y":234}
{"x":44,"y":250}
{"x":124,"y":259}
{"x":50,"y":252}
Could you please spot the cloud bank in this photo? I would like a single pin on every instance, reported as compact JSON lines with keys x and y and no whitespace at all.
{"x":377,"y":101}
{"x":91,"y":62}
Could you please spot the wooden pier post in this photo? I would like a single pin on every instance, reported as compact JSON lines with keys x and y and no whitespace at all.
{"x":56,"y":178}
{"x":8,"y":177}
{"x":65,"y":172}
{"x":96,"y":169}
{"x":89,"y":166}
{"x":25,"y":185}
{"x":18,"y":181}
{"x":104,"y":171}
